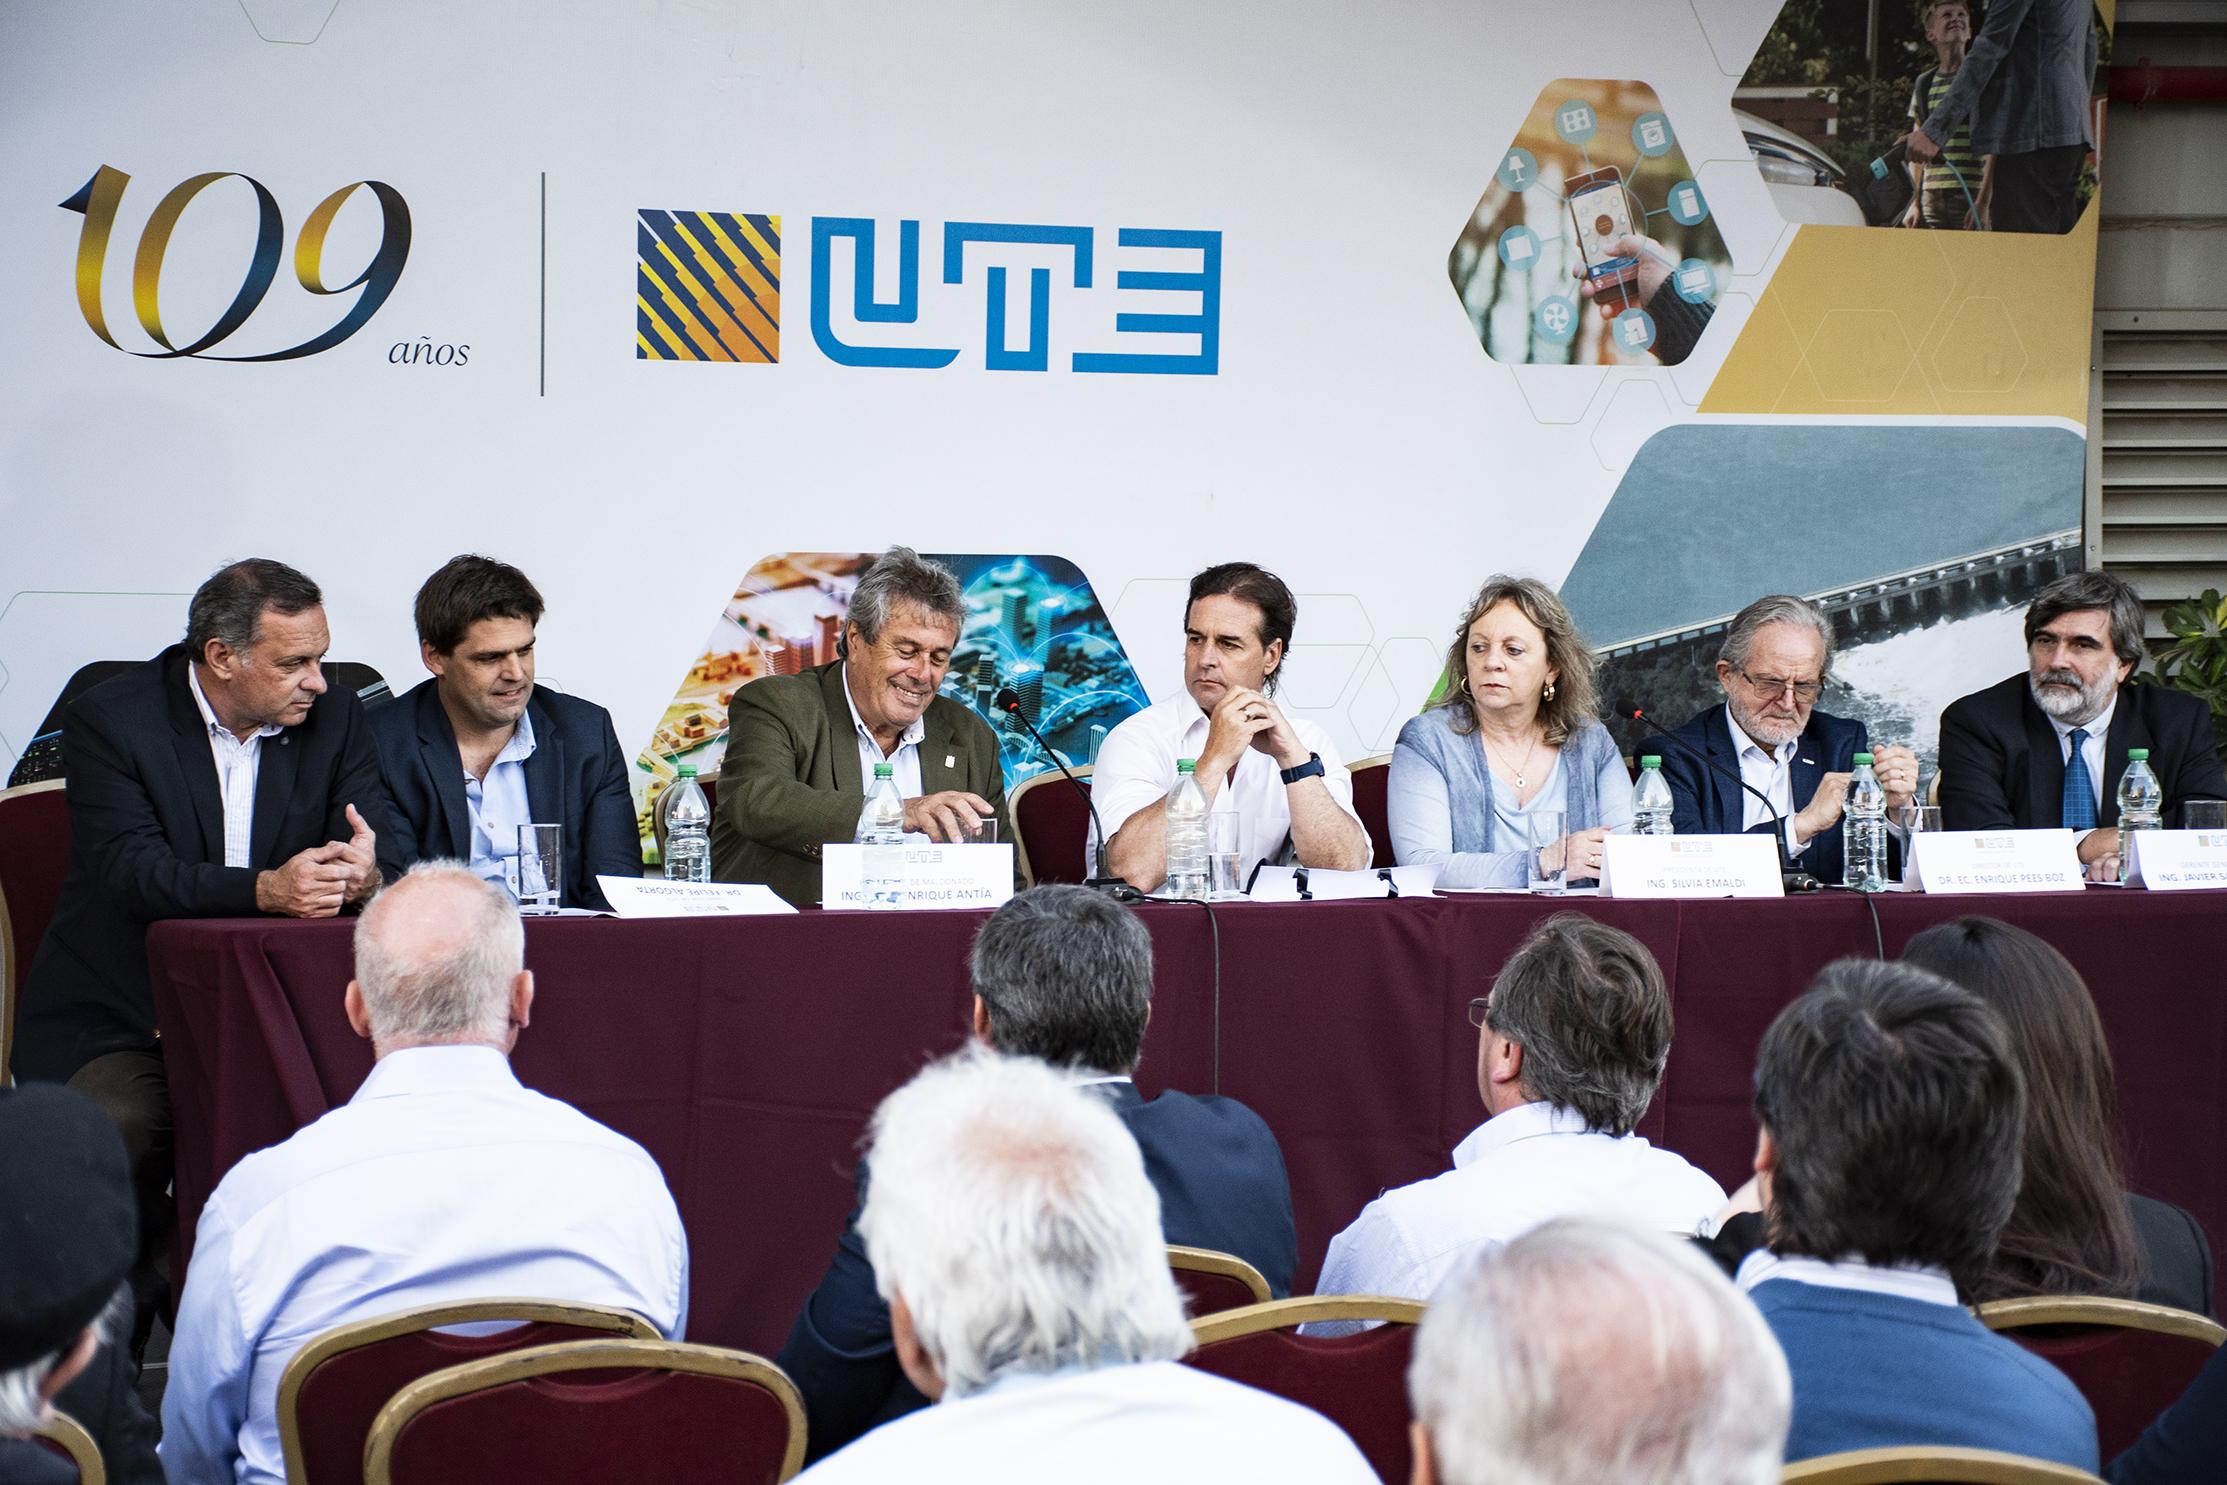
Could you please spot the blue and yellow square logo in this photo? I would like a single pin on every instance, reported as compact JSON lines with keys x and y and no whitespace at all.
{"x":708,"y":287}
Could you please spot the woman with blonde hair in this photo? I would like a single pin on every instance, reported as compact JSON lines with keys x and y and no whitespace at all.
{"x":1513,"y":736}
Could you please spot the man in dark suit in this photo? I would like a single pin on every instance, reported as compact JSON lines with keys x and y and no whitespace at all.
{"x":800,"y":748}
{"x":479,"y":750}
{"x":1065,"y":975}
{"x":1772,"y":666}
{"x":2048,"y":748}
{"x":220,"y":779}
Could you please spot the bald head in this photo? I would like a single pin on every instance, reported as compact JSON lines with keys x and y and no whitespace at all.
{"x":440,"y":960}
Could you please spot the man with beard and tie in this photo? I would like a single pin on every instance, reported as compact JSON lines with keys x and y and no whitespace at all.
{"x":2047,"y":748}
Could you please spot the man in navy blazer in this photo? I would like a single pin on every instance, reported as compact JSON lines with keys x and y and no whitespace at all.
{"x":1063,"y":974}
{"x":479,"y":750}
{"x":2006,"y":751}
{"x":1772,"y":665}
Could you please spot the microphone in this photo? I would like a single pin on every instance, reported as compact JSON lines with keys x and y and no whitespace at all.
{"x":1791,"y":877}
{"x":1008,"y":701}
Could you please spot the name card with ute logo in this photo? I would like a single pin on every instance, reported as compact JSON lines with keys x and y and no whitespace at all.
{"x":935,"y":876}
{"x":1997,"y":861}
{"x":2178,"y":860}
{"x":1690,"y":866}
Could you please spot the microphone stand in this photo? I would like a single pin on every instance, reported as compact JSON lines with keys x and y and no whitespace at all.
{"x":1791,"y":877}
{"x":1009,"y":701}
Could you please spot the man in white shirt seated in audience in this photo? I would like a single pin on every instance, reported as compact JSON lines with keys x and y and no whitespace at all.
{"x":1572,"y":1041}
{"x":1017,"y":1240}
{"x":1588,"y":1351}
{"x":1291,"y":791}
{"x":443,"y":1179}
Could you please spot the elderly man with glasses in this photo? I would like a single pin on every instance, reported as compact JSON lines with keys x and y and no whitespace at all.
{"x":1768,"y":733}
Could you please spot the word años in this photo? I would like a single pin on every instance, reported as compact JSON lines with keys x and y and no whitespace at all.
{"x":423,"y":352}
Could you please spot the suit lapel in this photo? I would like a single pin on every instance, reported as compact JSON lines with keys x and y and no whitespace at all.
{"x":938,"y":742}
{"x":190,"y":740}
{"x":1727,"y":803}
{"x":2045,"y":766}
{"x":545,"y":770}
{"x":274,"y":788}
{"x":1813,"y":757}
{"x":2128,"y":730}
{"x":444,"y":770}
{"x":842,"y":732}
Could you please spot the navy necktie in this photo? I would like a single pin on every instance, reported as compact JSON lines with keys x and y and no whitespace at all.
{"x":2080,"y":789}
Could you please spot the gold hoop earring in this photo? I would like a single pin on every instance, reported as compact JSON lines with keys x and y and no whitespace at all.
{"x":1550,"y":691}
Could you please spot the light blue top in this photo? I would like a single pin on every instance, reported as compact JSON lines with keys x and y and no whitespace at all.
{"x":1445,"y":806}
{"x":497,"y":806}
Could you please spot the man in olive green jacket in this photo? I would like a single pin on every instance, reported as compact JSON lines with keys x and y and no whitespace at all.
{"x":794,"y":776}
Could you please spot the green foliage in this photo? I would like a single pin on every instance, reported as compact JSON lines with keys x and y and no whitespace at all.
{"x":2196,"y":661}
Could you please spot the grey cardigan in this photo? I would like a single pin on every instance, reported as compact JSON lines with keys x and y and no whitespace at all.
{"x":1429,"y":742}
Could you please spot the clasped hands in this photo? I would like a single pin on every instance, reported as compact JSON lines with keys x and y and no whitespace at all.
{"x":319,"y":882}
{"x":1247,"y":719}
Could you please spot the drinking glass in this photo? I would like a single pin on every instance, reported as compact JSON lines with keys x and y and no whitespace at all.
{"x":540,"y":868}
{"x":985,"y":832}
{"x":2204,"y":814}
{"x":1914,"y":820}
{"x":1223,"y":860}
{"x":1547,"y":860}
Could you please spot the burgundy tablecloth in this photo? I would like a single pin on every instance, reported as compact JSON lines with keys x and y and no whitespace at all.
{"x":746,"y":1054}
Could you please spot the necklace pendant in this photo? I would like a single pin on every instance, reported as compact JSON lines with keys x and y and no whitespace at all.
{"x":1519,"y":781}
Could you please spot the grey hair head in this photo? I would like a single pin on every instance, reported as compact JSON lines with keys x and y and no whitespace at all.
{"x":1067,"y":976}
{"x":1587,"y":1004}
{"x":1778,"y":608}
{"x":229,"y":606}
{"x":436,"y":954}
{"x":2076,"y":591}
{"x":902,"y":576}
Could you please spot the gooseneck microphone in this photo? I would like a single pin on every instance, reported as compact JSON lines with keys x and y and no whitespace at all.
{"x":1008,"y":701}
{"x":1791,"y":877}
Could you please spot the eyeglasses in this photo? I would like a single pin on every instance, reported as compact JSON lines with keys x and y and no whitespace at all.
{"x":1478,"y":1009}
{"x":1771,"y":685}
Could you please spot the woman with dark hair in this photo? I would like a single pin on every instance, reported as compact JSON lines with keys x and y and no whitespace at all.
{"x":2075,"y":1229}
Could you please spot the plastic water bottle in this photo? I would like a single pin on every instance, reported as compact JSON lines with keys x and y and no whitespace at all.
{"x":1186,"y":835}
{"x":1866,"y":832}
{"x":687,"y":830}
{"x":1651,"y":802}
{"x":2141,"y":804}
{"x":881,"y":831}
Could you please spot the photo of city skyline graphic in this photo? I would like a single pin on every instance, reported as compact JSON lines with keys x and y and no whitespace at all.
{"x":1032,"y":623}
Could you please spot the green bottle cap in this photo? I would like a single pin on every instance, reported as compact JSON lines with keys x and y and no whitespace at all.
{"x":885,"y":770}
{"x":688,"y":770}
{"x":2138,"y":755}
{"x":1863,"y":760}
{"x":1650,"y":761}
{"x":1186,"y":765}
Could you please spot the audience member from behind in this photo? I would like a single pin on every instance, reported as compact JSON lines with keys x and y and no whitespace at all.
{"x":2075,"y":1229}
{"x":1571,"y":1044}
{"x":1587,"y":1352}
{"x":441,"y":1180}
{"x":1016,"y":1238}
{"x":1891,"y":1114}
{"x":1064,"y":975}
{"x":67,"y":1228}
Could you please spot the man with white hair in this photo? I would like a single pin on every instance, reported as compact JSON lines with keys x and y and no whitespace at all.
{"x":1587,"y":1351}
{"x":1017,"y":1240}
{"x":443,"y":1179}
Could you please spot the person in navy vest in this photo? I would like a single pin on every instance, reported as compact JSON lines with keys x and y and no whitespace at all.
{"x":479,"y":750}
{"x":1772,"y":665}
{"x":2047,"y":748}
{"x":1064,"y":975}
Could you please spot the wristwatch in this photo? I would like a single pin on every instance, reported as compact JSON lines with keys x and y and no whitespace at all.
{"x":1311,"y":769}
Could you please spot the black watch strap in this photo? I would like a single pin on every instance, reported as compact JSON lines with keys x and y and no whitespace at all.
{"x":1311,"y":769}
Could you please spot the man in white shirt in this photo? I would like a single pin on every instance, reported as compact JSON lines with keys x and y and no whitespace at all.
{"x":1283,"y":776}
{"x":442,"y":1179}
{"x":1017,"y":1240}
{"x":1589,"y":1351}
{"x":1572,"y":1041}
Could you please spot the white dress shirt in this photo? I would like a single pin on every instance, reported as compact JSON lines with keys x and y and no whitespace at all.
{"x":497,"y":806}
{"x":1136,"y":770}
{"x":442,"y":1179}
{"x":1110,"y":1425}
{"x":904,"y":764}
{"x":1524,"y":1166}
{"x":1917,"y":1281}
{"x":2098,"y":728}
{"x":1772,"y":772}
{"x":238,"y":765}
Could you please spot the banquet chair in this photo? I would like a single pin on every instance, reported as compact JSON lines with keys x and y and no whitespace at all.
{"x":1213,"y":1281}
{"x":34,"y":857}
{"x":1932,"y":1465}
{"x":2130,"y":1360}
{"x":1051,"y":827}
{"x":1372,"y":778}
{"x":333,"y":1387}
{"x":654,"y":1410}
{"x":64,"y":1435}
{"x":1358,"y":1382}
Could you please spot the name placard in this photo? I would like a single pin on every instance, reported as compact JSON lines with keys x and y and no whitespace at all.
{"x":1635,"y":866}
{"x":647,"y":897}
{"x":935,"y":876}
{"x":2178,"y":860}
{"x":1997,"y":861}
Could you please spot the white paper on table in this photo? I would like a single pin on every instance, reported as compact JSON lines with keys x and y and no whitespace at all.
{"x":642,"y":897}
{"x":956,"y":876}
{"x":1670,"y":866}
{"x":1281,"y":883}
{"x":2178,"y":860}
{"x":1997,"y":861}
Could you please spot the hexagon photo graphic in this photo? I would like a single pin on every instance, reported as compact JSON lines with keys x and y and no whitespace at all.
{"x":1032,"y":623}
{"x":1592,"y":245}
{"x":1870,"y":116}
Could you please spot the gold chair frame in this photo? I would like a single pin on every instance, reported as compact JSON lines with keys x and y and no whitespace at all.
{"x":1013,"y":814}
{"x":1227,"y":1265}
{"x":2076,"y":1309}
{"x":1931,"y":1464}
{"x":362,"y":1333}
{"x":11,"y":973}
{"x":1282,"y":1314}
{"x":71,"y":1435}
{"x":576,"y":1356}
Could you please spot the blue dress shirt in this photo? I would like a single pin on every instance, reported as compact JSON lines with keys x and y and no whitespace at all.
{"x":497,"y":806}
